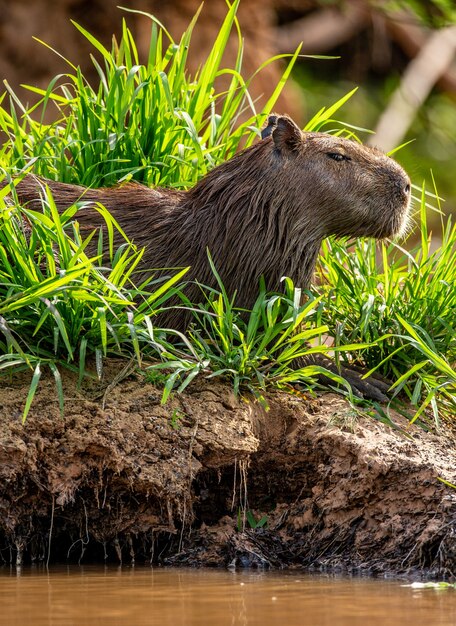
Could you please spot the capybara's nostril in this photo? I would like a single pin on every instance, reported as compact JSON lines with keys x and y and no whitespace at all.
{"x":407,"y":189}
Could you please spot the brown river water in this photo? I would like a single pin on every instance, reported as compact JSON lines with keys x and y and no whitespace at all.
{"x":95,"y":596}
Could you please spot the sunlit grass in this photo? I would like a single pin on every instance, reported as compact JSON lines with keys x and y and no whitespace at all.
{"x":400,"y":302}
{"x":59,"y":305}
{"x":255,"y":350}
{"x":152,"y":121}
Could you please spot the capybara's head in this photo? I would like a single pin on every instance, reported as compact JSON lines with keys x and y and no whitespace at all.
{"x":350,"y":188}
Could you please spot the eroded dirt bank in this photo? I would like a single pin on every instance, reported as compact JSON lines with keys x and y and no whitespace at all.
{"x":132,"y":480}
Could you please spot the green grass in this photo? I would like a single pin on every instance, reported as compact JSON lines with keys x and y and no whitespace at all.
{"x":402,"y":304}
{"x":60,"y":307}
{"x":380,"y":306}
{"x":254,"y":350}
{"x":150,"y":121}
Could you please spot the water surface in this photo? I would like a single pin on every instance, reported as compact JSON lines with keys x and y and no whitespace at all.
{"x":95,"y":596}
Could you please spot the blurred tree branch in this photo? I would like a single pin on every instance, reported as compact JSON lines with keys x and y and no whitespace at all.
{"x":422,"y":73}
{"x":323,"y":29}
{"x":411,"y":37}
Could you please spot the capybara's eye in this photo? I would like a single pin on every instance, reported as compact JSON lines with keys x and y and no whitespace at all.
{"x":337,"y":156}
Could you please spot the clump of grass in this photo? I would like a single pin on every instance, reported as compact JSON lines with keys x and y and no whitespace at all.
{"x":150,"y":121}
{"x":60,"y":306}
{"x":254,"y":350}
{"x":155,"y":123}
{"x":402,"y":305}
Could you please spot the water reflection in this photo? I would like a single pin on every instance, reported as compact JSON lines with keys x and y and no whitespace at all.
{"x":82,"y":596}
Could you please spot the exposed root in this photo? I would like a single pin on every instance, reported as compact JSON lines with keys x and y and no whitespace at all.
{"x":50,"y":532}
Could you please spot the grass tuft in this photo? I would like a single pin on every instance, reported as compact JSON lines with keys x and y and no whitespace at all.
{"x":400,"y":303}
{"x":59,"y":306}
{"x":151,"y":121}
{"x":254,"y":350}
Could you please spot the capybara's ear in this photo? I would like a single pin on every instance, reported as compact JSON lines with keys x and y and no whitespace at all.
{"x":286,"y":135}
{"x":272,"y":123}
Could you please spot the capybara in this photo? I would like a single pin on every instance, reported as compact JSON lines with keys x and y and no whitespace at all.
{"x":262,"y":213}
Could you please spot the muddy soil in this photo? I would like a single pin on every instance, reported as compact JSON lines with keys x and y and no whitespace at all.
{"x":123,"y":478}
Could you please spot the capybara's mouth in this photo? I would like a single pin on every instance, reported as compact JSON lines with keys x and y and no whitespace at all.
{"x":399,"y":224}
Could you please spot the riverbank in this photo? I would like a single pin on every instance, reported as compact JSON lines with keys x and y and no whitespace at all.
{"x":123,"y":478}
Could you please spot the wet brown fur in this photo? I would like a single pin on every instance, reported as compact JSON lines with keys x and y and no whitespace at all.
{"x":262,"y":213}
